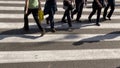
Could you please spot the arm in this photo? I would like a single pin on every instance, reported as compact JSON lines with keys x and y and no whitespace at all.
{"x":39,"y":4}
{"x":106,"y":1}
{"x":85,"y":2}
{"x":26,"y":6}
{"x":100,"y":5}
{"x":72,"y":1}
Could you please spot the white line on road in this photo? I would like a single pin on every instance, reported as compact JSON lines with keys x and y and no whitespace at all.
{"x":58,"y":55}
{"x":59,"y":8}
{"x":43,"y":2}
{"x":23,"y":2}
{"x":19,"y":25}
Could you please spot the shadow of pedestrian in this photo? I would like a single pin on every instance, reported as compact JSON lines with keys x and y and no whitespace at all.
{"x":19,"y":33}
{"x":98,"y":38}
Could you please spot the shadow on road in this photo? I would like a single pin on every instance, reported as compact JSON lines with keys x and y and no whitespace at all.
{"x":99,"y":38}
{"x":59,"y":27}
{"x":18,"y":33}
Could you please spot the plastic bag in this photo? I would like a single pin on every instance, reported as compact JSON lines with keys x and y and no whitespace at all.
{"x":40,"y":15}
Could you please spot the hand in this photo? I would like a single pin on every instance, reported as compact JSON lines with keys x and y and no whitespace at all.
{"x":26,"y":11}
{"x":40,"y":8}
{"x":85,"y":4}
{"x":100,"y":6}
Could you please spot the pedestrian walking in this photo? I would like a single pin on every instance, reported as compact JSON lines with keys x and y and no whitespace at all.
{"x":50,"y":9}
{"x":111,"y":5}
{"x":79,"y":4}
{"x":32,"y":6}
{"x":96,"y":6}
{"x":67,"y":5}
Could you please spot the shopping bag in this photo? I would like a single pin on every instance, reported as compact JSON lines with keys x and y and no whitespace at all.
{"x":40,"y":15}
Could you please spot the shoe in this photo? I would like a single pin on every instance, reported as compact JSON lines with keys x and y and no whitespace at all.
{"x":104,"y":18}
{"x":72,"y":15}
{"x":97,"y":24}
{"x":70,"y":29}
{"x":78,"y":20}
{"x":64,"y":21}
{"x":89,"y":20}
{"x":53,"y":30}
{"x":43,"y":32}
{"x":108,"y":18}
{"x":47,"y":21}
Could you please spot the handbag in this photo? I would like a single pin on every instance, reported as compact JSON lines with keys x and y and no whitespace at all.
{"x":40,"y":15}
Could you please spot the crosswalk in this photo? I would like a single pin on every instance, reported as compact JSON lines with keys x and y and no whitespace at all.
{"x":44,"y":49}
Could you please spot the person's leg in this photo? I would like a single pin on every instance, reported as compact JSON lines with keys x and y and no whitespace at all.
{"x":79,"y":12}
{"x":98,"y":16}
{"x":76,"y":10}
{"x":92,"y":13}
{"x":51,"y":18}
{"x":111,"y":11}
{"x":35,"y":15}
{"x":105,"y":11}
{"x":48,"y":20}
{"x":26,"y":26}
{"x":65,"y":14}
{"x":68,"y":17}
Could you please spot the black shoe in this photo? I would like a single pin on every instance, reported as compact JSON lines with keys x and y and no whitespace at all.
{"x":97,"y":24}
{"x":53,"y":30}
{"x":72,"y":15}
{"x":104,"y":18}
{"x":47,"y":21}
{"x":64,"y":21}
{"x":43,"y":32}
{"x":89,"y":20}
{"x":78,"y":20}
{"x":108,"y":18}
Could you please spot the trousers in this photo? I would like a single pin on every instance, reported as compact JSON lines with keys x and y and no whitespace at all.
{"x":35,"y":15}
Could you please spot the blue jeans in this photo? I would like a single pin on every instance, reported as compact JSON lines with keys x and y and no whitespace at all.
{"x":51,"y":18}
{"x":67,"y":14}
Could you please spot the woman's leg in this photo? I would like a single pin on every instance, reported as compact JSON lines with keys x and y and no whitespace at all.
{"x":26,"y":27}
{"x":35,"y":15}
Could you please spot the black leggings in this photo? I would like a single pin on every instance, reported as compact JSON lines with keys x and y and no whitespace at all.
{"x":35,"y":15}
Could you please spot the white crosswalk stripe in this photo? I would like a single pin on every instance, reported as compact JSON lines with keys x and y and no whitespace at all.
{"x":59,"y":9}
{"x":55,"y":55}
{"x":65,"y":25}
